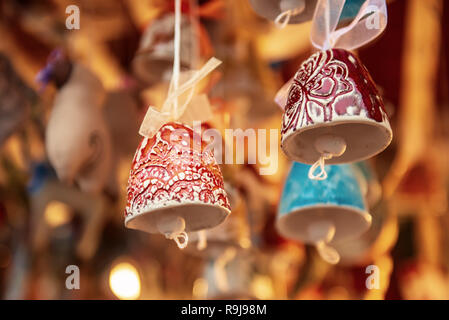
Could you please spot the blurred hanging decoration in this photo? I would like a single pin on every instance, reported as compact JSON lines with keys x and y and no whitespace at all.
{"x":15,"y":99}
{"x":79,"y":149}
{"x":234,"y":281}
{"x":322,"y":212}
{"x":232,"y":233}
{"x":420,"y":77}
{"x":77,"y":138}
{"x":175,"y":184}
{"x":333,"y":111}
{"x":51,"y":205}
{"x":283,"y":12}
{"x":373,"y":244}
{"x":154,"y":59}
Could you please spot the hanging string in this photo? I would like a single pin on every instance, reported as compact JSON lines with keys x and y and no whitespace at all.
{"x":174,"y":229}
{"x":322,"y":175}
{"x":181,"y":238}
{"x":177,"y":54}
{"x":327,"y":253}
{"x":283,"y":18}
{"x":195,"y":35}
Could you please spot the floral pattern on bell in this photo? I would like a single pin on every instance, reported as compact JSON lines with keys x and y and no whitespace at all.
{"x":329,"y":86}
{"x":169,"y":169}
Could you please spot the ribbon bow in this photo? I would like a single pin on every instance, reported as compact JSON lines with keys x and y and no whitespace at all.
{"x":367,"y":25}
{"x":193,"y":108}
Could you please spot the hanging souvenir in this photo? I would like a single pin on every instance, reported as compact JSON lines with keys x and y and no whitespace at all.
{"x":321,"y":212}
{"x":231,"y":282}
{"x":373,"y":244}
{"x":174,"y":188}
{"x":285,"y":11}
{"x":45,"y":190}
{"x":154,"y":59}
{"x":333,"y":111}
{"x":77,"y":138}
{"x":175,"y":184}
{"x":232,"y":233}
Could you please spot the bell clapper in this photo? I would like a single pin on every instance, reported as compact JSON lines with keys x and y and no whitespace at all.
{"x":202,"y":240}
{"x":329,"y":146}
{"x":220,"y":268}
{"x":289,"y":8}
{"x":173,"y":229}
{"x":321,"y":233}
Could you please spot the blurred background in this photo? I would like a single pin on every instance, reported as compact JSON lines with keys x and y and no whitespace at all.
{"x":48,"y":223}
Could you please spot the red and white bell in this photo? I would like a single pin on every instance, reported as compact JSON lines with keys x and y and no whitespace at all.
{"x":175,"y":185}
{"x":334,"y":111}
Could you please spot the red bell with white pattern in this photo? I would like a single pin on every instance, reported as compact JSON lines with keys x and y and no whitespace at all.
{"x":334,"y":112}
{"x":175,"y":185}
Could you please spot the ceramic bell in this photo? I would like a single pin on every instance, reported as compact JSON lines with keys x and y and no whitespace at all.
{"x":320,"y":212}
{"x":174,"y":186}
{"x":77,"y":138}
{"x":232,"y":233}
{"x":334,"y":112}
{"x":232,"y":282}
{"x":373,"y":244}
{"x":294,"y":11}
{"x":154,"y":59}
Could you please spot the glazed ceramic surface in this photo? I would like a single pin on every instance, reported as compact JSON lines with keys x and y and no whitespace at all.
{"x":333,"y":93}
{"x":170,"y":177}
{"x":338,"y":199}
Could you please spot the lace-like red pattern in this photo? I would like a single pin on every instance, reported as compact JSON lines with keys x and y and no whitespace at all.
{"x":174,"y":166}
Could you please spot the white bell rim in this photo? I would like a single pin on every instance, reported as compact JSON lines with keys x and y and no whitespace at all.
{"x":299,"y":145}
{"x":350,"y":222}
{"x":197,"y":216}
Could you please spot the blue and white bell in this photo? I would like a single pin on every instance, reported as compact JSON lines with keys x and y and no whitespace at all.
{"x":319,"y":212}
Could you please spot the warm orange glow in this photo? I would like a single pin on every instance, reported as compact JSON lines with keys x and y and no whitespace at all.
{"x":124,"y":281}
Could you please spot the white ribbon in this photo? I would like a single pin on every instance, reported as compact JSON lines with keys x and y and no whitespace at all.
{"x":369,"y":23}
{"x":180,"y":84}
